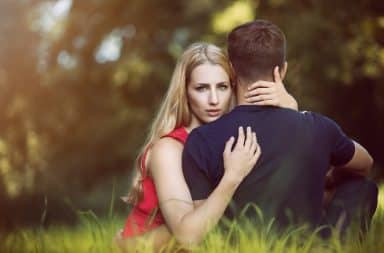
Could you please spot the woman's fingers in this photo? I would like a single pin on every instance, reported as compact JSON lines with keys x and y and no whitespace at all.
{"x":248,"y":140}
{"x":240,"y":138}
{"x":267,"y":93}
{"x":257,"y":154}
{"x":119,"y":235}
{"x":260,"y":91}
{"x":240,"y":160}
{"x":260,"y":84}
{"x":244,"y":141}
{"x":260,"y":98}
{"x":229,"y":145}
{"x":255,"y":149}
{"x":254,"y":143}
{"x":270,"y":102}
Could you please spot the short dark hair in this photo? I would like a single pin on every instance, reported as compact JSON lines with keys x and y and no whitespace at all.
{"x":255,"y":48}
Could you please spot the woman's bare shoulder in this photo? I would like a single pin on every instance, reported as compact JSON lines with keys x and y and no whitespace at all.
{"x":166,"y":150}
{"x":167,"y":144}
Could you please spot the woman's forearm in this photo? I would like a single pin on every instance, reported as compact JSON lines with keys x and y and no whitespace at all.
{"x":188,"y":222}
{"x":195,"y":224}
{"x":238,"y":161}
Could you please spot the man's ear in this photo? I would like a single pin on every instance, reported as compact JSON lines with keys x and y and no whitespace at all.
{"x":283,"y":71}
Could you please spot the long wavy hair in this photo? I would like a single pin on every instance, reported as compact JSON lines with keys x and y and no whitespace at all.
{"x":174,"y":111}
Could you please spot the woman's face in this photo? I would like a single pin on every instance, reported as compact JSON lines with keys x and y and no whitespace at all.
{"x":209,"y":93}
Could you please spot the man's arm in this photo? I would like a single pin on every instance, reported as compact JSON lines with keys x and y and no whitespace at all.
{"x":348,"y":158}
{"x":360,"y":165}
{"x":361,"y":162}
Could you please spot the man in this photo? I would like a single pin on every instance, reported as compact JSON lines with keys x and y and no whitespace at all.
{"x":287,"y":183}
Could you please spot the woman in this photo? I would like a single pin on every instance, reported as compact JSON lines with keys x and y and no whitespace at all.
{"x":200,"y":92}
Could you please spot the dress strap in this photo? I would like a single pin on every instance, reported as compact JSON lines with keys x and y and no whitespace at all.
{"x":179,"y":134}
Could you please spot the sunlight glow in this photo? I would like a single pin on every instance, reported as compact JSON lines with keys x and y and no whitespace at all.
{"x":111,"y":46}
{"x":109,"y":49}
{"x":66,"y":60}
{"x":237,"y":13}
{"x":52,"y":13}
{"x":380,"y":21}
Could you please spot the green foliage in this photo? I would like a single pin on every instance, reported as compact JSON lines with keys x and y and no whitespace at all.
{"x":95,"y":234}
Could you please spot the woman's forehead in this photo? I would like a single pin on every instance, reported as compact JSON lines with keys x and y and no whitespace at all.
{"x":209,"y":73}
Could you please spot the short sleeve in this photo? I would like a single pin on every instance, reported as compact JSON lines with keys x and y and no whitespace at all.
{"x":194,"y":167}
{"x":341,"y":146}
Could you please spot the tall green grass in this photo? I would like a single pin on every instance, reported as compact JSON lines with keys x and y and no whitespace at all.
{"x":94,"y":234}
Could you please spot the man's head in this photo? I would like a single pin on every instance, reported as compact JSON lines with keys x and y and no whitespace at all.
{"x":255,"y":49}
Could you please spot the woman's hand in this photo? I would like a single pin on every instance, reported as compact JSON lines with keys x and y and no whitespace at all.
{"x":240,"y":160}
{"x":271,"y":93}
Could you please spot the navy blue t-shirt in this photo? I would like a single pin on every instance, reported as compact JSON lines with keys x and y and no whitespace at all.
{"x":287,"y":182}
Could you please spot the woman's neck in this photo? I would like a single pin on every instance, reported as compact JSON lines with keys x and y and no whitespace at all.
{"x":194,"y":123}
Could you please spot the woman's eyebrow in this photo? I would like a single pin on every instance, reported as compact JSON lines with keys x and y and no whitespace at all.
{"x":207,"y":84}
{"x":202,"y":84}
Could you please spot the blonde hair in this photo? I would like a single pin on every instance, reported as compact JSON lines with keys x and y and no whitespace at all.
{"x":174,"y":111}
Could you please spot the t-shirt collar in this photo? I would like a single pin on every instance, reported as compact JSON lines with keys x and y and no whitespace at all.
{"x":250,"y":108}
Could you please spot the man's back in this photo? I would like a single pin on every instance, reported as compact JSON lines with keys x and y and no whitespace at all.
{"x":287,"y":182}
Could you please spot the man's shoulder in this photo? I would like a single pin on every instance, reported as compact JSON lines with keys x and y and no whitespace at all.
{"x":312,"y":116}
{"x":323,"y":125}
{"x":196,"y":139}
{"x":288,"y":116}
{"x":205,"y":138}
{"x":317,"y":122}
{"x":317,"y":117}
{"x":210,"y":128}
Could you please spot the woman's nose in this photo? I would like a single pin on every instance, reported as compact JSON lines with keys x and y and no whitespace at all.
{"x":213,"y":99}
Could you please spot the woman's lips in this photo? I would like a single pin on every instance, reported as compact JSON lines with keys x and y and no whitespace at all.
{"x":214,"y":113}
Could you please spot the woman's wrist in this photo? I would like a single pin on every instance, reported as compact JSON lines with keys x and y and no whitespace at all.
{"x":232,"y":179}
{"x":293,"y":103}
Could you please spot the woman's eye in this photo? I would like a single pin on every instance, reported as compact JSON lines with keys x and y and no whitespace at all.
{"x":201,"y":88}
{"x":223,"y":87}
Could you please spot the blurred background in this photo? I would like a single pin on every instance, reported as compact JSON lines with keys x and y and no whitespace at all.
{"x":80,"y":81}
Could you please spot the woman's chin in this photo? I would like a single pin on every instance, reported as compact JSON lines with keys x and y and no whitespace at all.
{"x":211,"y":119}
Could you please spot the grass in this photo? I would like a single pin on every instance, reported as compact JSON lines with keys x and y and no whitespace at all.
{"x":91,"y":235}
{"x":94,"y":234}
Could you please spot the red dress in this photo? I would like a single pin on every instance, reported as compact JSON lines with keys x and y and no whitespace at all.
{"x":146,"y":215}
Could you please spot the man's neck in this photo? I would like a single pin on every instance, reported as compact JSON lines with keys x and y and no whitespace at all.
{"x":242,"y":89}
{"x":240,"y":92}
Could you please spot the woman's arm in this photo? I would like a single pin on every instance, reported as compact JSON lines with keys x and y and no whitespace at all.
{"x":187,"y":223}
{"x":271,"y":93}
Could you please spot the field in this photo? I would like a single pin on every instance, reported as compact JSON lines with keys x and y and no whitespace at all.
{"x":94,"y":234}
